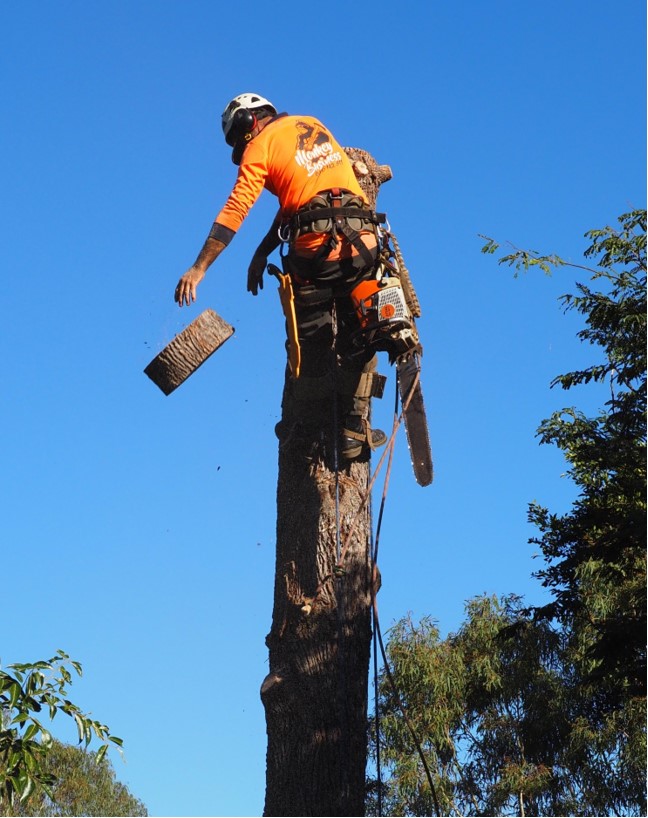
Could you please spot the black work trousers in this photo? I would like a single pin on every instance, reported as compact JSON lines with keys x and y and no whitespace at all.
{"x":332,"y":360}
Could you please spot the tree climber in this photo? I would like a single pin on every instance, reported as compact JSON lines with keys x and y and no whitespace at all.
{"x":330,"y":243}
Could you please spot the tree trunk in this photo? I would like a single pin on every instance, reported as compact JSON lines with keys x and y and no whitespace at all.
{"x":315,"y":694}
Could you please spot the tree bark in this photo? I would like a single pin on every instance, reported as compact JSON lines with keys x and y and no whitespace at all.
{"x":315,"y":694}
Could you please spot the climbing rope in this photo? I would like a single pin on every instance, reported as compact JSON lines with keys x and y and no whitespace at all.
{"x":340,"y":603}
{"x":374,"y":590}
{"x":336,"y":442}
{"x":401,"y":707}
{"x":389,"y":452}
{"x":338,"y":569}
{"x":377,"y":715}
{"x":398,"y":420}
{"x":339,"y":572}
{"x":377,"y":637}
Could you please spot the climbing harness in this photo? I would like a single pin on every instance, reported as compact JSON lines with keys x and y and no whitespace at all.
{"x":386,"y":305}
{"x":334,"y":212}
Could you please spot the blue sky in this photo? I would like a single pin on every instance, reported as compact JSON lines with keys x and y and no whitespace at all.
{"x":138,"y":530}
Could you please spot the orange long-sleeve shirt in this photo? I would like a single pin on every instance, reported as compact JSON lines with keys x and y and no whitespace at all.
{"x":294,"y":157}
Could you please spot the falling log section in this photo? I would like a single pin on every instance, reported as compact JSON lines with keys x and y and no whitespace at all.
{"x":188,"y":351}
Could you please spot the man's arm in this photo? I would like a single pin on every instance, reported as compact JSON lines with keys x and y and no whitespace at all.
{"x":217,"y":240}
{"x":249,"y":184}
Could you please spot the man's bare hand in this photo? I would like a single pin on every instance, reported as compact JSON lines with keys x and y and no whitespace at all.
{"x":255,"y":273}
{"x":185,"y":292}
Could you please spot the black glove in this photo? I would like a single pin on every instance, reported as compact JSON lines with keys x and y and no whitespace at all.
{"x":255,"y":274}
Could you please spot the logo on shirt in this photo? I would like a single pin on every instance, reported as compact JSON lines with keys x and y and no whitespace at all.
{"x":315,"y":149}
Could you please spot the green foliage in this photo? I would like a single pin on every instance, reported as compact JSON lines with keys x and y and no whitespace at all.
{"x":84,"y":786}
{"x":26,"y":692}
{"x":522,"y":260}
{"x":595,"y":555}
{"x":504,"y":725}
{"x":542,"y":711}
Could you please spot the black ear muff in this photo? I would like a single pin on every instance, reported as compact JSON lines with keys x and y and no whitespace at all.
{"x":243,"y":123}
{"x":248,"y":133}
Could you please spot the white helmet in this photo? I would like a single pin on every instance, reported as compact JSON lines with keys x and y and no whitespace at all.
{"x":238,"y":117}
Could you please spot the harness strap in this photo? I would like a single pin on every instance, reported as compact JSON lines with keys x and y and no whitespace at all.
{"x":355,"y":435}
{"x":354,"y":237}
{"x":361,"y":385}
{"x":342,"y":225}
{"x":339,"y":216}
{"x":305,"y":217}
{"x":372,"y":385}
{"x":365,"y":435}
